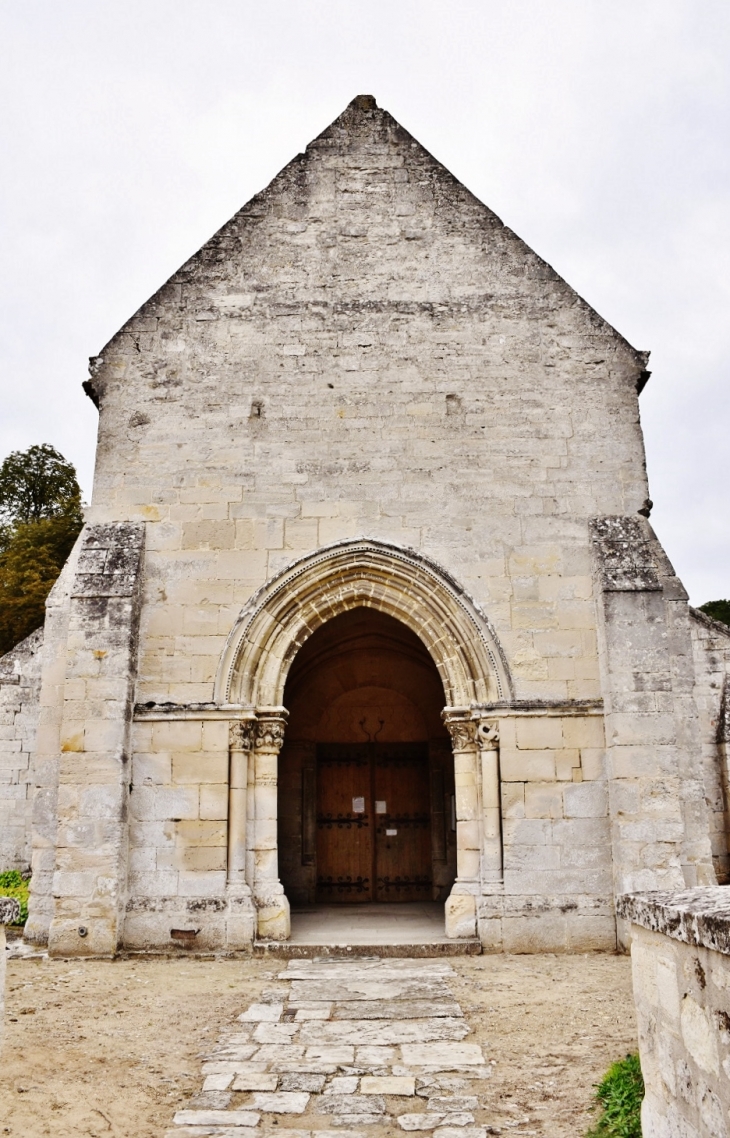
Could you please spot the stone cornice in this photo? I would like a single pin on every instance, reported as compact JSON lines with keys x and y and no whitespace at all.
{"x":523,"y":707}
{"x":144,"y":712}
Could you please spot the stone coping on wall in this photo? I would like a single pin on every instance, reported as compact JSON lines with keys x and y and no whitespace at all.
{"x":9,"y":911}
{"x":696,"y":916}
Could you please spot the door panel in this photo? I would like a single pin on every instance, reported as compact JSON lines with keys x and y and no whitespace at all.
{"x":344,"y":833}
{"x":377,"y":848}
{"x":402,"y":822}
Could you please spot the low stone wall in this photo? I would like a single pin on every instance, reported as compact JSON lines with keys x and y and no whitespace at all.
{"x":9,"y":914}
{"x":20,"y":682}
{"x":680,"y":952}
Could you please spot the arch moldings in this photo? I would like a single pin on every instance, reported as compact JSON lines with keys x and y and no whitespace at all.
{"x":368,"y":573}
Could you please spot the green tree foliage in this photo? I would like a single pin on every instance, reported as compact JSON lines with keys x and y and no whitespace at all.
{"x":619,"y":1096}
{"x":36,"y":483}
{"x":40,"y":519}
{"x":718,"y":610}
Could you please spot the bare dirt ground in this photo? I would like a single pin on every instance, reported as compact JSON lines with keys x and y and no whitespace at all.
{"x":98,"y":1048}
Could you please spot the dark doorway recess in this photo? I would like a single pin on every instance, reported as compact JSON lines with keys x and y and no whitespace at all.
{"x":366,"y":777}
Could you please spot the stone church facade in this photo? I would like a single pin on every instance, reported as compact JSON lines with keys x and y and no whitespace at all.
{"x":367,"y":605}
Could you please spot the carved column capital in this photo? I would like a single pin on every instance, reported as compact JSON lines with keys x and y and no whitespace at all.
{"x":463,"y":731}
{"x":488,"y":734}
{"x":241,"y":734}
{"x":270,"y":729}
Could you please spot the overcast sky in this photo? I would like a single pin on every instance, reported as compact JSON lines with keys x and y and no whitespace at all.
{"x":597,"y":129}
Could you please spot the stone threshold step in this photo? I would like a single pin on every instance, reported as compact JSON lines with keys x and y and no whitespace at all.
{"x":285,"y":950}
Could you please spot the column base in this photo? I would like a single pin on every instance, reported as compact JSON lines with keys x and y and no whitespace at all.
{"x":36,"y":930}
{"x":273,"y":917}
{"x":460,"y":912}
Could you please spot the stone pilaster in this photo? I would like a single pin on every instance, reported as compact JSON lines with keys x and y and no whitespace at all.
{"x":46,"y":760}
{"x":90,"y":879}
{"x":488,"y":743}
{"x":461,"y":905}
{"x":660,"y":833}
{"x":271,"y":903}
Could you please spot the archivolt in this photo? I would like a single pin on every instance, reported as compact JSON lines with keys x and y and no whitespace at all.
{"x":371,"y":574}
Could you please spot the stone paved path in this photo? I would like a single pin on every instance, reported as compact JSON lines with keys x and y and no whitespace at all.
{"x":350,"y":1049}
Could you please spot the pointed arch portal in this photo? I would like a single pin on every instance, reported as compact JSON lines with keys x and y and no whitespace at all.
{"x":279,"y":620}
{"x":362,"y":574}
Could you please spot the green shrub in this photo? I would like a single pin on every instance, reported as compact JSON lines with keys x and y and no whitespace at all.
{"x":13,"y":884}
{"x":619,"y":1096}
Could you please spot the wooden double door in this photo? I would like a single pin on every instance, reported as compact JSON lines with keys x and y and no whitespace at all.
{"x":373,"y":822}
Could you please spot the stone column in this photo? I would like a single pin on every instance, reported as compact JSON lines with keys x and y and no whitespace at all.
{"x":488,"y":742}
{"x":461,"y":905}
{"x":241,"y":922}
{"x":240,"y":744}
{"x":269,"y":897}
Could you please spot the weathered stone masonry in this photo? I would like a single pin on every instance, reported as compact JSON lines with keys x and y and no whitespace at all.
{"x":679,"y":956}
{"x":366,"y":393}
{"x":20,"y":681}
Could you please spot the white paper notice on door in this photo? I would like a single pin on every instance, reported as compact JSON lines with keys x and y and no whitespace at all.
{"x":358,"y":805}
{"x":390,"y":833}
{"x":381,"y":807}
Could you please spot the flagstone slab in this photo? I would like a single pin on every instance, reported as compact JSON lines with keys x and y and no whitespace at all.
{"x":228,"y":1062}
{"x":430,"y":1121}
{"x":375,"y":1056}
{"x":268,"y":1013}
{"x":426,"y":1121}
{"x":313,"y":1084}
{"x":387,"y":1085}
{"x":217,"y":1118}
{"x":384,"y":1031}
{"x":305,"y":1067}
{"x":275,"y":1032}
{"x":217,"y":1132}
{"x":311,"y":1009}
{"x":331,"y":1052}
{"x":384,"y":1009}
{"x":350,"y":1104}
{"x":367,"y":988}
{"x":277,"y":1052}
{"x":256,"y":1081}
{"x":218,"y":1082}
{"x":441,"y":1055}
{"x":281,"y":1102}
{"x":343,"y":1085}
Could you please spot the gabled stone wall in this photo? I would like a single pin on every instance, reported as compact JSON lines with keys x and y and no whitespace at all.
{"x":365,"y":390}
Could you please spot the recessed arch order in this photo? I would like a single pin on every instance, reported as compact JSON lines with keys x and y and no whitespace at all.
{"x":371,"y":574}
